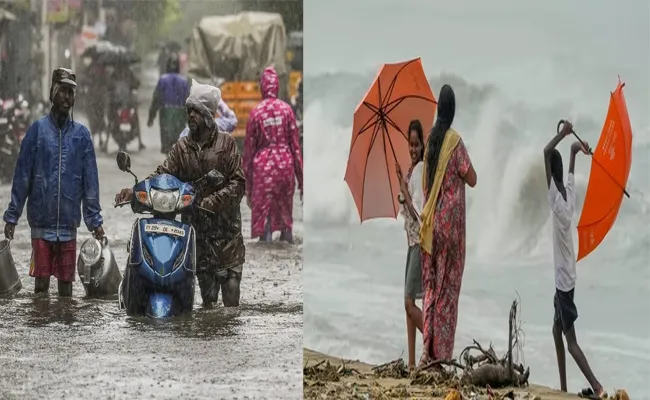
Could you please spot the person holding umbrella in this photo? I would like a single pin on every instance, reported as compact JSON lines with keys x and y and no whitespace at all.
{"x":412,"y":200}
{"x":387,"y":138}
{"x":562,"y":201}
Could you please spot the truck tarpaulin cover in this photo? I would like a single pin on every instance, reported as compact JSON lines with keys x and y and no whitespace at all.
{"x":238,"y":47}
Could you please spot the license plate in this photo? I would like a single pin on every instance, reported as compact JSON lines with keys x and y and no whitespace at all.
{"x":125,"y":127}
{"x":164,"y":229}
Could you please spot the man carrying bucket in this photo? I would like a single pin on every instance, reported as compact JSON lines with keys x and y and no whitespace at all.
{"x":56,"y":171}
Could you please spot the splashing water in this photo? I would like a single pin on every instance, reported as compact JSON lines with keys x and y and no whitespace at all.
{"x":507,"y":110}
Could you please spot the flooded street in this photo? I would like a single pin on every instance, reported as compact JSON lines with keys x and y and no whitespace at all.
{"x":75,"y":348}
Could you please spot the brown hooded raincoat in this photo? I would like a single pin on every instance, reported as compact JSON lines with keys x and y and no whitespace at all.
{"x":219,"y":240}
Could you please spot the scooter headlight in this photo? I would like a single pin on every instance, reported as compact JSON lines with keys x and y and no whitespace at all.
{"x":91,"y":251}
{"x":164,"y":201}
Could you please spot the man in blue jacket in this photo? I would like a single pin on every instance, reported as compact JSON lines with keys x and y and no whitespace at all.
{"x":55,"y":173}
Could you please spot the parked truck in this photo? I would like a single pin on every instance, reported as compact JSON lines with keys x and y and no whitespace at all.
{"x":235,"y":49}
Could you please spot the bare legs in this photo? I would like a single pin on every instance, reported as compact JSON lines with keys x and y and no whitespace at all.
{"x":561,"y":357}
{"x":413,"y":322}
{"x":42,"y":287}
{"x":578,"y":356}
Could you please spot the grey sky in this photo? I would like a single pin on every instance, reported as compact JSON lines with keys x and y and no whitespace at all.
{"x":359,"y":34}
{"x":529,"y":48}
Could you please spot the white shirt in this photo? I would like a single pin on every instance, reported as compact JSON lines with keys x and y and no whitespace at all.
{"x":564,"y":257}
{"x":411,"y":225}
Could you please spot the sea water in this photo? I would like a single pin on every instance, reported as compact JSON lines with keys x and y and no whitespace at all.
{"x":517,"y":68}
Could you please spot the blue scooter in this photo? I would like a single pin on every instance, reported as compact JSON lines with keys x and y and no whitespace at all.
{"x":161,"y":266}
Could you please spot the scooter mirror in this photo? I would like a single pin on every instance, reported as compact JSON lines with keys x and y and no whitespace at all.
{"x":123,"y":161}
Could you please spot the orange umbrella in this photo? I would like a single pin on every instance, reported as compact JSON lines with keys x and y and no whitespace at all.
{"x":610,"y":169}
{"x":399,"y":94}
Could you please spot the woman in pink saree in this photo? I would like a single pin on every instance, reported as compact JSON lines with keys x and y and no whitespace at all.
{"x":272,"y":162}
{"x":447,"y":170}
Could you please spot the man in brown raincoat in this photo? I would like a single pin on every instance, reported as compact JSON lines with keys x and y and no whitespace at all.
{"x":220,"y":246}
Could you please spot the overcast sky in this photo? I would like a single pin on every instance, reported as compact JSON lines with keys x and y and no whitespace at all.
{"x":358,"y":32}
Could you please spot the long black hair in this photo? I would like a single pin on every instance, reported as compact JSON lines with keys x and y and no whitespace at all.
{"x":416,"y":126}
{"x":173,"y":63}
{"x":446,"y":113}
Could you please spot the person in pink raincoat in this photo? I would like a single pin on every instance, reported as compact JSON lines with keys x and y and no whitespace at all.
{"x":272,"y":162}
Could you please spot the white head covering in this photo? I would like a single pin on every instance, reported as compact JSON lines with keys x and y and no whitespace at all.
{"x":205,"y":99}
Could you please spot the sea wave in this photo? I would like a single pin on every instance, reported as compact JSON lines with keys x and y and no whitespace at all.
{"x":507,"y":210}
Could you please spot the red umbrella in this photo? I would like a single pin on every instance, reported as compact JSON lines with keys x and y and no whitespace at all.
{"x":399,"y":94}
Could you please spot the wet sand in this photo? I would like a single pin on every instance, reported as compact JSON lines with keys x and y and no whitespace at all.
{"x":89,"y":349}
{"x":364,"y":385}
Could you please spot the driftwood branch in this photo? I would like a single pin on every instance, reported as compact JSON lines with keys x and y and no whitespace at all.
{"x":437,"y":363}
{"x":486,"y":368}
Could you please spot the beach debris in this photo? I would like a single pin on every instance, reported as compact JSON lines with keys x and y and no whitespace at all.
{"x":453,"y":395}
{"x":475,"y":375}
{"x":394,"y":369}
{"x":325,"y":371}
{"x":486,"y":369}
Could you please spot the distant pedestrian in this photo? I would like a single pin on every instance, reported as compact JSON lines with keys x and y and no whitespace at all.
{"x":272,"y":162}
{"x":169,"y":98}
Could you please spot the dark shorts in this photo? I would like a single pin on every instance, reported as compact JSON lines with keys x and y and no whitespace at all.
{"x":413,"y":275}
{"x":56,"y":259}
{"x":566,"y":312}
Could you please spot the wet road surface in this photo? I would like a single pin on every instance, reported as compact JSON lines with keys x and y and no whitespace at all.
{"x":53,"y":348}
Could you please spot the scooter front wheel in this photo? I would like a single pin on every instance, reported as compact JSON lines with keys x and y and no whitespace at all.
{"x":185,"y":298}
{"x":134,"y":293}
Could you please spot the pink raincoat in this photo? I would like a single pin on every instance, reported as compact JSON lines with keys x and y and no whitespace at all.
{"x":271,"y":159}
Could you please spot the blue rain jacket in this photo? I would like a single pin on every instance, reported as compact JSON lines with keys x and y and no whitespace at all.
{"x":56,"y":171}
{"x":173,"y":90}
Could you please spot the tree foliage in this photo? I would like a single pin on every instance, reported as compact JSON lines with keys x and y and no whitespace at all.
{"x":291,"y":10}
{"x":154,"y":19}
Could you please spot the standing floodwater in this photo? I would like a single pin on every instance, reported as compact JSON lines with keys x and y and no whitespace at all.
{"x":89,"y":349}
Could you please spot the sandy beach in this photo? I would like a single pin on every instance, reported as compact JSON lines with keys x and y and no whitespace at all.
{"x":348,"y":379}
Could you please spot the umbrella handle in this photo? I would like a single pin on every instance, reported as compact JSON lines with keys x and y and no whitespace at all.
{"x":561,"y":123}
{"x":559,"y":128}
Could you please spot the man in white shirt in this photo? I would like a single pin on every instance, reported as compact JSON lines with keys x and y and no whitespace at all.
{"x":562,"y":202}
